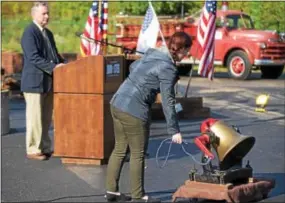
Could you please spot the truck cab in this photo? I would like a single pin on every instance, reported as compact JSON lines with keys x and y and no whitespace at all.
{"x":240,"y":47}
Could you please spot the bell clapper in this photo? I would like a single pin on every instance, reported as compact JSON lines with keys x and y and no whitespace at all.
{"x":248,"y":165}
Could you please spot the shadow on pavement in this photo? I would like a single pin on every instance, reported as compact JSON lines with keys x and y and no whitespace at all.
{"x":253,"y":76}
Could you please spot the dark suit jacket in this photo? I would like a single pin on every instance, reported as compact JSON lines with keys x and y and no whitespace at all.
{"x":38,"y":68}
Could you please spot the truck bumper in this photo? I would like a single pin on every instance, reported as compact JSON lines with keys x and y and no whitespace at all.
{"x":266,"y":62}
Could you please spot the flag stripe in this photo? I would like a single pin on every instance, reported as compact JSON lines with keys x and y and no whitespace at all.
{"x":208,"y":49}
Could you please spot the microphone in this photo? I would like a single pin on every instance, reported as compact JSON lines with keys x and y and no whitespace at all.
{"x":81,"y":35}
{"x":78,"y":34}
{"x":126,"y":50}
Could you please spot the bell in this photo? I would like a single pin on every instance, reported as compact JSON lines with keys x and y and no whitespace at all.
{"x":231,"y":146}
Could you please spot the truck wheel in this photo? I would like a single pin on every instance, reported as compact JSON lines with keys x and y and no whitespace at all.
{"x":184,"y":69}
{"x":239,"y":66}
{"x":271,"y":72}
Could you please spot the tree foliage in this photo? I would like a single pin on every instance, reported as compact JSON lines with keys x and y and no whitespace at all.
{"x":70,"y":17}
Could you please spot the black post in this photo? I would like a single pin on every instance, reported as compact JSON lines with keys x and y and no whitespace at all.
{"x":182,"y":9}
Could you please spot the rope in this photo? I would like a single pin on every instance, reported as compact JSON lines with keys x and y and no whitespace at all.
{"x":184,"y":150}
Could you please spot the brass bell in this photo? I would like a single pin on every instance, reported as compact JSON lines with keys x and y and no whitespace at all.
{"x":231,"y":146}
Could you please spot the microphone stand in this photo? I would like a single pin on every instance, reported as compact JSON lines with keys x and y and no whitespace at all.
{"x":125,"y":50}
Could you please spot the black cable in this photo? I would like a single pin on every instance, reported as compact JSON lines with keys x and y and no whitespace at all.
{"x":80,"y":196}
{"x":99,"y":195}
{"x":81,"y":35}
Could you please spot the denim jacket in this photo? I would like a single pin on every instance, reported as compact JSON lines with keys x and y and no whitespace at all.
{"x":153,"y":73}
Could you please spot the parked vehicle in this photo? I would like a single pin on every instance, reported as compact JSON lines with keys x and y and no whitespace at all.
{"x":238,"y":45}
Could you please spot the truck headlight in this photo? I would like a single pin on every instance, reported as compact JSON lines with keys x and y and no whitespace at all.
{"x":274,"y":40}
{"x":262,"y":45}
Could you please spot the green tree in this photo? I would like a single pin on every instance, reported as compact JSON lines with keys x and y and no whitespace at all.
{"x":70,"y":17}
{"x":255,"y":7}
{"x":273,"y":17}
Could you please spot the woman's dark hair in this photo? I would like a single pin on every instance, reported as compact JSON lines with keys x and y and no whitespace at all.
{"x":180,"y":40}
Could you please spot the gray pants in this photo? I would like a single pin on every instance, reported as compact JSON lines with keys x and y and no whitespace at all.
{"x":133,"y":133}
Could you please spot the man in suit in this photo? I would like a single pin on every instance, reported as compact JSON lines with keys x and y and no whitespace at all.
{"x":40,"y":59}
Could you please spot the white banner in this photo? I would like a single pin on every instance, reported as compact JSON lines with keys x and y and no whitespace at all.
{"x":149,"y":31}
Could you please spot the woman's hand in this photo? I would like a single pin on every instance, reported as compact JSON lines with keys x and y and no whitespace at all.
{"x":177,"y":138}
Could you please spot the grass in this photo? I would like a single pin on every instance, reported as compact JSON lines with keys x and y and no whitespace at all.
{"x":222,"y":69}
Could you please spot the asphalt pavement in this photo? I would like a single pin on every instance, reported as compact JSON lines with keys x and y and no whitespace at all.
{"x":24,"y":180}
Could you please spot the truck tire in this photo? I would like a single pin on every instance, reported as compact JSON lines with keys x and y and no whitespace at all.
{"x":239,"y":66}
{"x":184,"y":69}
{"x":271,"y":72}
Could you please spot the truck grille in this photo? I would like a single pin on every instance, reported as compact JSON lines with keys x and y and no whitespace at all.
{"x":274,"y":51}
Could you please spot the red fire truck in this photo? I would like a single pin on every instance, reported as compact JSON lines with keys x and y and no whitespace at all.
{"x":238,"y":45}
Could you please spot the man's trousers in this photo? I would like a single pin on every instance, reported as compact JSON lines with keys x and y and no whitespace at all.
{"x":39,"y":110}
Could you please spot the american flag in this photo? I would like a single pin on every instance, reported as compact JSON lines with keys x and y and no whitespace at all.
{"x":206,"y":38}
{"x":147,"y":19}
{"x":149,"y":30}
{"x":95,"y":28}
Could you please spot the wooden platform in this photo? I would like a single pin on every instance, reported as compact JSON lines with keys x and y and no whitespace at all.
{"x":80,"y":161}
{"x":192,"y":108}
{"x":254,"y":191}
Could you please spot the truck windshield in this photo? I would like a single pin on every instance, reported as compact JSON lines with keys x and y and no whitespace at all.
{"x":238,"y":21}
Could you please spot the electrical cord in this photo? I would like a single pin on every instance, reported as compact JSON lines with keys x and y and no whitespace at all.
{"x":184,"y":150}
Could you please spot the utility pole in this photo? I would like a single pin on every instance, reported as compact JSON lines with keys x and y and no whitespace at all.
{"x":182,"y":9}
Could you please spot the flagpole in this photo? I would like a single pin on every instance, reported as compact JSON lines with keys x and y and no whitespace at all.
{"x":182,"y":9}
{"x":190,"y":76}
{"x":102,"y":48}
{"x":105,"y":13}
{"x":186,"y":92}
{"x":158,"y":21}
{"x":160,"y":32}
{"x":164,"y":43}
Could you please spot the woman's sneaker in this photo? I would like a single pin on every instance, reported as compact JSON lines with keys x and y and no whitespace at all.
{"x":147,"y":199}
{"x":111,"y":197}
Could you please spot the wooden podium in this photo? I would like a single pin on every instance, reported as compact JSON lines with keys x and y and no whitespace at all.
{"x":83,"y":126}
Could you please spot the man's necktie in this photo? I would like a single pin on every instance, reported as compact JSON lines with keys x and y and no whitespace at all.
{"x":51,"y":52}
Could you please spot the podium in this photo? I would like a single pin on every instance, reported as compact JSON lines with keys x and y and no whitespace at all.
{"x":83,"y":125}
